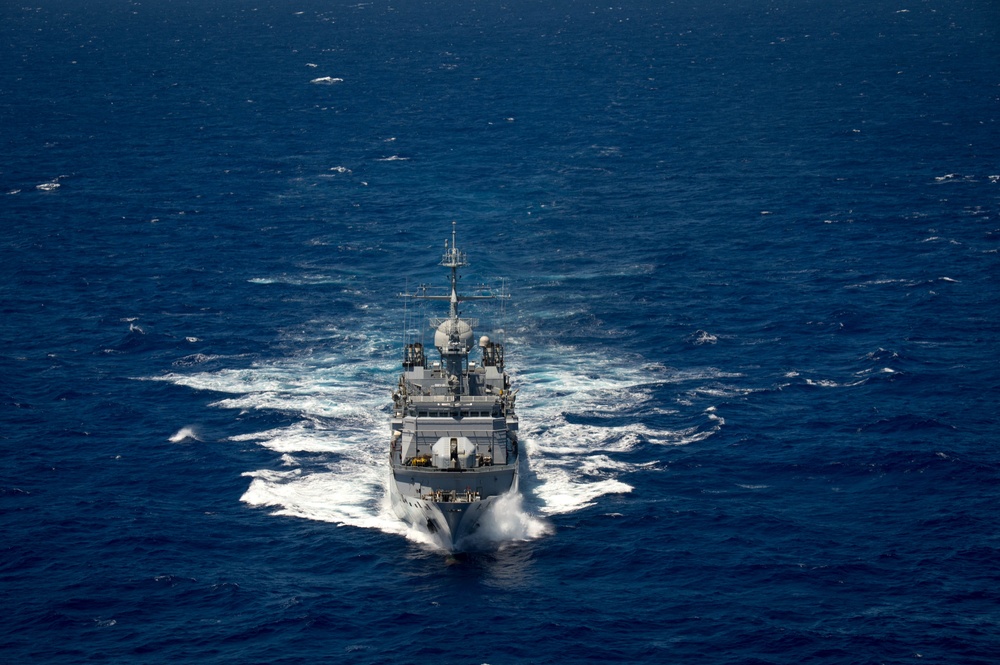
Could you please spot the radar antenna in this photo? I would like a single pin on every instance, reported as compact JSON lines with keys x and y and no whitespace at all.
{"x":453,"y":259}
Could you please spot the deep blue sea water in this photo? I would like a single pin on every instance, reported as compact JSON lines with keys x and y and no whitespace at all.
{"x":753,"y":253}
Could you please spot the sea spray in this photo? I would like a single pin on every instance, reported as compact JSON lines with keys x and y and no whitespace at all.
{"x":507,"y":520}
{"x":184,"y":434}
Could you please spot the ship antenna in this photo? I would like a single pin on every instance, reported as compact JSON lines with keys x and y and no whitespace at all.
{"x":454,"y":259}
{"x":406,"y":319}
{"x":503,"y":310}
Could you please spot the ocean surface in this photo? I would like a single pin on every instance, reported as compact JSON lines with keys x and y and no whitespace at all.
{"x":752,"y":248}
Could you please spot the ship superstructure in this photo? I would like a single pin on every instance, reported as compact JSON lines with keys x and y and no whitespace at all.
{"x":453,"y":448}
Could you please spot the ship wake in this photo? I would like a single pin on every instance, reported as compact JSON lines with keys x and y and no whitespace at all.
{"x":592,"y":421}
{"x":583,"y":418}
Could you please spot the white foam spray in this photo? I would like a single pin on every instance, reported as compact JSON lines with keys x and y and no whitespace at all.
{"x":507,"y":521}
{"x":330,"y":464}
{"x":576,"y":463}
{"x":184,"y":434}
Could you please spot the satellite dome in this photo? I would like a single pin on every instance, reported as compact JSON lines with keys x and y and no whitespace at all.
{"x":459,"y":329}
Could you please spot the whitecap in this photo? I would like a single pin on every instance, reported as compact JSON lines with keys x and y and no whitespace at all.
{"x":194,"y":359}
{"x":300,"y":280}
{"x":879,"y":282}
{"x":326,"y":80}
{"x":700,"y":337}
{"x":188,"y":433}
{"x":822,"y":383}
{"x":48,"y":186}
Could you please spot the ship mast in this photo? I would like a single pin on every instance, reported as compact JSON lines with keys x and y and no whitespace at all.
{"x":453,"y":335}
{"x":453,"y":258}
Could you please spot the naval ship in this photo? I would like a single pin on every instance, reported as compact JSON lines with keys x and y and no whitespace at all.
{"x":453,"y":449}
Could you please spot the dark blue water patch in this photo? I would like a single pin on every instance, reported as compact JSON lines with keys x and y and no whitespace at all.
{"x":906,"y":423}
{"x":799,"y":198}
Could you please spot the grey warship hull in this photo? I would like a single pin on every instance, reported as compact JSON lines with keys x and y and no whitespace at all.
{"x":457,"y":514}
{"x":453,"y":450}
